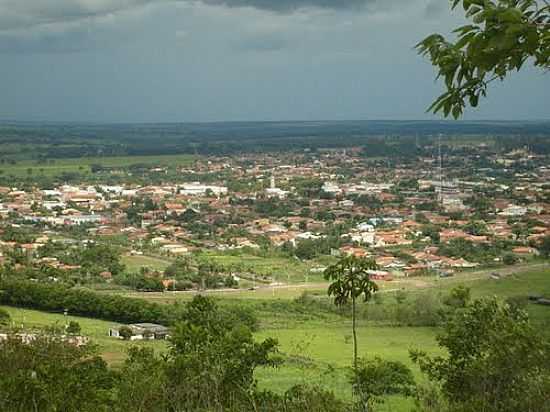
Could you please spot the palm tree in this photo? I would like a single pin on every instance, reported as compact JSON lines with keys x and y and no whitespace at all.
{"x":351,"y":281}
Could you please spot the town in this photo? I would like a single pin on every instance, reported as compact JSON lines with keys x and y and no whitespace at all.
{"x":216,"y":225}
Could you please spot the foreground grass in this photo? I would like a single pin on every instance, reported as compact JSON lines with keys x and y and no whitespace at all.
{"x":316,"y":344}
{"x":314,"y":352}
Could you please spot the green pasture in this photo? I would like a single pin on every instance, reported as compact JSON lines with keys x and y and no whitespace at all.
{"x":82,"y":165}
{"x":321,"y":354}
{"x":135,"y":263}
{"x":280,"y":269}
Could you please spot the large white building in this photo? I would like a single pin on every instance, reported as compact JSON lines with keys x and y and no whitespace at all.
{"x":330,"y":187}
{"x":196,"y":189}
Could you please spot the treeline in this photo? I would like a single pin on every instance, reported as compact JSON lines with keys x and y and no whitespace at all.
{"x":57,"y":298}
{"x":397,"y":138}
{"x":82,"y":302}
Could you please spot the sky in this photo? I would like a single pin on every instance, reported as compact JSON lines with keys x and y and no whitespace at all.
{"x":233,"y":60}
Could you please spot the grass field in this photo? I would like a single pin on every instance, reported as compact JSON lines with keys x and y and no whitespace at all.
{"x":321,"y":353}
{"x":135,"y":263}
{"x":82,"y":165}
{"x":280,"y":269}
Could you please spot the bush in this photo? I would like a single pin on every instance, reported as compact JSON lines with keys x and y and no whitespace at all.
{"x":509,"y":259}
{"x":125,"y":332}
{"x":73,"y":328}
{"x":377,"y":378}
{"x":4,"y":318}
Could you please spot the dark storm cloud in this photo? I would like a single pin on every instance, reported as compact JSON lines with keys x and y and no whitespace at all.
{"x":25,"y":14}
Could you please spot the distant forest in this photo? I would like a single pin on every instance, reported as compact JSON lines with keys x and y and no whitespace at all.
{"x":39,"y":141}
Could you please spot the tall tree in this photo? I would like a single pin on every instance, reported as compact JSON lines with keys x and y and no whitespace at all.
{"x":502,"y":36}
{"x":351,"y":281}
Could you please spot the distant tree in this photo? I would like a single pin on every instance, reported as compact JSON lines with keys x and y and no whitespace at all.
{"x":427,"y":206}
{"x":503,"y":35}
{"x":459,"y":297}
{"x":431,"y":231}
{"x":544,"y":248}
{"x":509,"y":259}
{"x":421,"y":218}
{"x":350,"y":280}
{"x":188,"y":216}
{"x":73,"y":328}
{"x":476,"y":228}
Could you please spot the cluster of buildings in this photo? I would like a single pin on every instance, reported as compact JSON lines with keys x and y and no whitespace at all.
{"x":380,"y":210}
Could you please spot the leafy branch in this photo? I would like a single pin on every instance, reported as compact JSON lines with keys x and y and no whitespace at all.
{"x":504,"y":34}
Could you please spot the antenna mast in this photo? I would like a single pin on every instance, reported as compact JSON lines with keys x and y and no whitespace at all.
{"x":440,"y":170}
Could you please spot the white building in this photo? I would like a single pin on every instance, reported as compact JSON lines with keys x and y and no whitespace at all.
{"x":330,"y":187}
{"x":514,"y":210}
{"x":196,"y":189}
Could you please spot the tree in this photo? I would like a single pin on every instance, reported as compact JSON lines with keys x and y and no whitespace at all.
{"x":126,"y":332}
{"x":495,"y":360}
{"x":350,"y":281}
{"x":213,"y":357}
{"x":545,"y":247}
{"x":503,"y":35}
{"x":73,"y":328}
{"x":476,"y":228}
{"x":459,"y":297}
{"x":509,"y":259}
{"x":144,"y":387}
{"x":48,"y":374}
{"x":377,"y":378}
{"x":4,"y":318}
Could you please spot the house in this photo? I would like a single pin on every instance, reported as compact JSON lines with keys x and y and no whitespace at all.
{"x":525,"y":250}
{"x":174,"y":249}
{"x":143,"y":331}
{"x":379,"y":275}
{"x":514,"y":210}
{"x":331,"y":188}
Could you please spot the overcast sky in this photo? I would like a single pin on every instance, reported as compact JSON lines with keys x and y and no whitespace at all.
{"x":223,"y":60}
